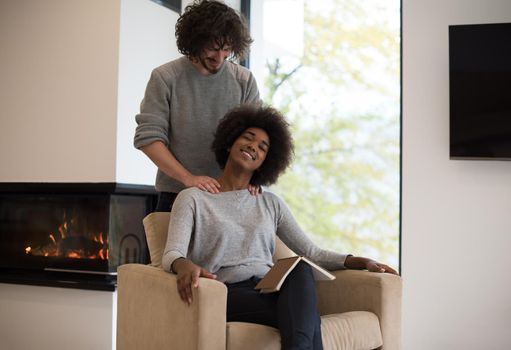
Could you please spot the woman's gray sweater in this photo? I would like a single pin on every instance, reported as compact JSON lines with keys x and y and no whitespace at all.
{"x":232,"y":234}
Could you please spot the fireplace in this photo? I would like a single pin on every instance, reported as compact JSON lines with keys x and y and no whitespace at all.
{"x":71,"y":235}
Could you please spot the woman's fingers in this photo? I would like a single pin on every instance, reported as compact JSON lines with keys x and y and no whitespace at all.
{"x":181,"y":286}
{"x":207,"y":274}
{"x":188,"y":278}
{"x":188,"y":293}
{"x":390,"y":270}
{"x":195,"y":281}
{"x":185,"y":289}
{"x":377,"y":267}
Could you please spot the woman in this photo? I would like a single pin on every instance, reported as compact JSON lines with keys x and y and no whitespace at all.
{"x":230,"y":236}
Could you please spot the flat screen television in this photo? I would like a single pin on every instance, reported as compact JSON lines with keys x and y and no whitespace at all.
{"x":480,"y":91}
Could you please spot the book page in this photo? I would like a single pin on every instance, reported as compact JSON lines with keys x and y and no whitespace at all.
{"x":320,"y":274}
{"x":278,"y":273}
{"x":276,"y":276}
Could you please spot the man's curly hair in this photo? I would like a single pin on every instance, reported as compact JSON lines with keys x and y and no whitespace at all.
{"x":281,"y":150}
{"x":206,"y":21}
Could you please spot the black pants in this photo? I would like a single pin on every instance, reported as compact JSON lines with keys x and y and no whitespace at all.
{"x":292,"y":310}
{"x":165,"y":201}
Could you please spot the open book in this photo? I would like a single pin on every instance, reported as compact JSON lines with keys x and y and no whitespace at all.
{"x":278,"y":273}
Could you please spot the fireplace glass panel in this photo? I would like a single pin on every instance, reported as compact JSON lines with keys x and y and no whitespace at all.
{"x":93,"y":233}
{"x":127,"y":238}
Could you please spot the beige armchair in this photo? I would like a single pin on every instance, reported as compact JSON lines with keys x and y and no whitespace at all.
{"x":360,"y":310}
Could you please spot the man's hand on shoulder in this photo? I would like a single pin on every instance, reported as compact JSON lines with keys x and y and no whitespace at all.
{"x":255,"y":190}
{"x":204,"y":183}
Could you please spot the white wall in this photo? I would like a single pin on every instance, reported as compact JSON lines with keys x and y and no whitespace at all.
{"x":147,"y":40}
{"x":58,"y":100}
{"x":47,"y":318}
{"x":456,"y":236}
{"x":72,"y":76}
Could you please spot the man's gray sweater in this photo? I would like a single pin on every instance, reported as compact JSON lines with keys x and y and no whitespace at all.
{"x":232,"y":234}
{"x":182,"y":108}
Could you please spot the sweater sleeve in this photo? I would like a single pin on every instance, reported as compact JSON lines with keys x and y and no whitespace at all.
{"x":293,"y":236}
{"x":180,"y":230}
{"x":153,"y":119}
{"x":252,"y":95}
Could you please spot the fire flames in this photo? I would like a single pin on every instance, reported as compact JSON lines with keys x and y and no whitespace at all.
{"x":68,"y":243}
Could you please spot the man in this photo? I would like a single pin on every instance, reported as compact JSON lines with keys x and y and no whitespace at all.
{"x":185,"y":99}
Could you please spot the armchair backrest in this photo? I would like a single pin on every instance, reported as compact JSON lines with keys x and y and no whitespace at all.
{"x":156,"y":227}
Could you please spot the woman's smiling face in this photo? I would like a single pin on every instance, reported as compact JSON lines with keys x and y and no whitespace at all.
{"x":250,"y":148}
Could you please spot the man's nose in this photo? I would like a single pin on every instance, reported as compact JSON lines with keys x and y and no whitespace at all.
{"x":219,"y":55}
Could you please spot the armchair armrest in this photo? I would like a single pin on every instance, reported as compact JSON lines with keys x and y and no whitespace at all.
{"x":355,"y":290}
{"x":151,"y":315}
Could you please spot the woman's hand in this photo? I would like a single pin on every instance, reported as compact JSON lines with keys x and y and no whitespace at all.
{"x":204,"y":183}
{"x":188,"y":277}
{"x":360,"y":263}
{"x":375,"y":266}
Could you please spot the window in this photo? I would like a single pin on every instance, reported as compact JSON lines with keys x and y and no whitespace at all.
{"x":333,"y":68}
{"x":174,"y":5}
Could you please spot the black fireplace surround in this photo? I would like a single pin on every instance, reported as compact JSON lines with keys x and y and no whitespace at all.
{"x":72,"y":235}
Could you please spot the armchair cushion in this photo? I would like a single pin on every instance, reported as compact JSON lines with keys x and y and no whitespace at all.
{"x":347,"y":331}
{"x":378,"y":293}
